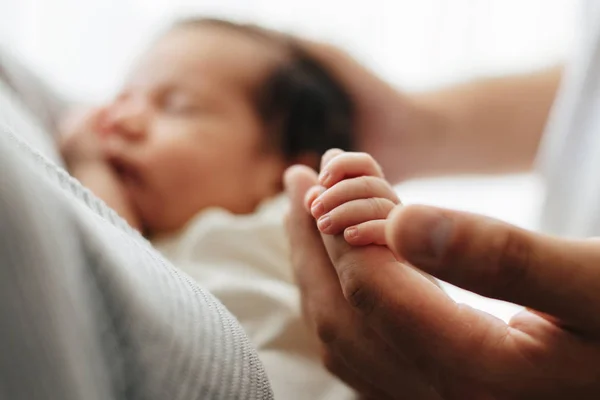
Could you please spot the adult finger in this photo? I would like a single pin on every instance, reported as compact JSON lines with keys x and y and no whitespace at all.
{"x":327,"y":311}
{"x":551,"y":275}
{"x":312,"y":268}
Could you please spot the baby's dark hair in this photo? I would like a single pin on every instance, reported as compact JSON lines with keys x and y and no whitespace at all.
{"x":305,"y":110}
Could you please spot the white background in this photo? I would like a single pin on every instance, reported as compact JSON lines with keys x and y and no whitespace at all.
{"x":83,"y":47}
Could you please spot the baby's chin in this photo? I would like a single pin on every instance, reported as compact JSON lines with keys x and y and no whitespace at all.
{"x":154,"y":218}
{"x":154,"y":229}
{"x":155,"y":224}
{"x":160,"y":221}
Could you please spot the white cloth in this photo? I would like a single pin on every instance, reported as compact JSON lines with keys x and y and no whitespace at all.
{"x":569,"y":157}
{"x":243,"y":260}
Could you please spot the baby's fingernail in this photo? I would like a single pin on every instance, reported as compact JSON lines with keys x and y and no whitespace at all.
{"x":311,"y":195}
{"x":324,"y":222}
{"x":324,"y":177}
{"x":317,"y":209}
{"x":352,"y":232}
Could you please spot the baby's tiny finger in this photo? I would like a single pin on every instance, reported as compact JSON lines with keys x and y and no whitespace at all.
{"x":311,"y":195}
{"x":352,"y":213}
{"x":363,"y":187}
{"x":348,"y":165}
{"x":370,"y":232}
{"x":330,"y":155}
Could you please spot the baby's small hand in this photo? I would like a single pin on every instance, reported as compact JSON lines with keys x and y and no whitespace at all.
{"x":80,"y":138}
{"x":354,"y":198}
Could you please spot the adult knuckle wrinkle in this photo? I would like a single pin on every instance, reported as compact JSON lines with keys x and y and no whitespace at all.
{"x":513,"y":262}
{"x":355,"y":290}
{"x":327,"y":330}
{"x":361,"y":298}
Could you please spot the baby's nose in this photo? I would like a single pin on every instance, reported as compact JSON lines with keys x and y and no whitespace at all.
{"x":127,"y":119}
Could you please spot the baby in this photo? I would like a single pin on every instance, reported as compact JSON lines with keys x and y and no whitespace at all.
{"x":210,"y":117}
{"x":192,"y":153}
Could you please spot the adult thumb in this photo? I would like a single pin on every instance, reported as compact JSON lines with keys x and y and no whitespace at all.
{"x":555,"y":276}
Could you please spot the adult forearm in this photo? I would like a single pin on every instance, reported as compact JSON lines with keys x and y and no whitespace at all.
{"x":487,"y":126}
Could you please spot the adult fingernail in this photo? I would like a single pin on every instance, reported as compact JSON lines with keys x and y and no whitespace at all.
{"x":427,"y":236}
{"x":288,"y":177}
{"x":323,"y":223}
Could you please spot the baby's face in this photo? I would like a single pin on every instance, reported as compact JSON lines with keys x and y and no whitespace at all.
{"x":183,"y":134}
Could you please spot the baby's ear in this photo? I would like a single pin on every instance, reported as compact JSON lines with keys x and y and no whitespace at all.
{"x":310,"y":159}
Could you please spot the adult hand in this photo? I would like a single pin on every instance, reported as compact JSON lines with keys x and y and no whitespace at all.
{"x":386,"y":120}
{"x":391,"y":333}
{"x":485,"y":126}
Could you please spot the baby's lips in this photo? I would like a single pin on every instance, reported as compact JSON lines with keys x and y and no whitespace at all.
{"x":112,"y":145}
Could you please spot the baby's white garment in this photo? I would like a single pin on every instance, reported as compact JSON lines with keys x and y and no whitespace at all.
{"x":243,"y":260}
